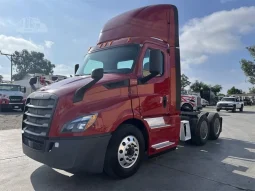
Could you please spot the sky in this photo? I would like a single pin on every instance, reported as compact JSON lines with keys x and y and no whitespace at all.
{"x":213,"y":33}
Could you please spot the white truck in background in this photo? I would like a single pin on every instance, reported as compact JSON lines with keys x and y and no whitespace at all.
{"x":32,"y":82}
{"x":12,"y":96}
{"x":230,"y":103}
{"x":190,"y":101}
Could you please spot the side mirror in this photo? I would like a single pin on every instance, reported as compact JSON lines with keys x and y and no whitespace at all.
{"x":23,"y":89}
{"x":155,"y":62}
{"x":97,"y":73}
{"x":155,"y":65}
{"x":76,"y":67}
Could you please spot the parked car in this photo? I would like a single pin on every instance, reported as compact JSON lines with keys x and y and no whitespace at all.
{"x":230,"y":103}
{"x":204,"y":102}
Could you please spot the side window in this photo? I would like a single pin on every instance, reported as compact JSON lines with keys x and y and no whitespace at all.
{"x":146,"y":63}
{"x":125,"y":64}
{"x":91,"y":65}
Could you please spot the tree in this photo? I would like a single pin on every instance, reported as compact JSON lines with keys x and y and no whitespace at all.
{"x":221,"y":94}
{"x":234,"y":90}
{"x":252,"y":90}
{"x":1,"y":78}
{"x":248,"y":66}
{"x":197,"y":86}
{"x":216,"y":89}
{"x":31,"y":62}
{"x":184,"y":81}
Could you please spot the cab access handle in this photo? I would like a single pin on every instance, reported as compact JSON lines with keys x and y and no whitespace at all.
{"x":164,"y":101}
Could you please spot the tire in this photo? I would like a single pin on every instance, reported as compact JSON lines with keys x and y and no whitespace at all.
{"x":115,"y":158}
{"x":186,"y":107}
{"x":214,"y":124}
{"x":218,"y":110}
{"x":199,"y":137}
{"x":234,"y":109}
{"x":241,"y":109}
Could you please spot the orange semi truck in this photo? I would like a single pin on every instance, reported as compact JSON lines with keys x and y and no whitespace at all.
{"x":123,"y":103}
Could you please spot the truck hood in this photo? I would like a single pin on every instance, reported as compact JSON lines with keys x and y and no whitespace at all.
{"x":70,"y":85}
{"x":11,"y":93}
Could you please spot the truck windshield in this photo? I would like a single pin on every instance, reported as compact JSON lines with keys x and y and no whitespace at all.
{"x":9,"y":88}
{"x":228,"y":99}
{"x":113,"y":60}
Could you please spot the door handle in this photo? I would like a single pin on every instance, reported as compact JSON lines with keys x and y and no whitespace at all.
{"x":164,"y":101}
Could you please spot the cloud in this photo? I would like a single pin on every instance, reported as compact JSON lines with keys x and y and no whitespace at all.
{"x":226,"y":1}
{"x":48,"y":43}
{"x":62,"y":69}
{"x":10,"y":44}
{"x":217,"y":33}
{"x":198,"y":60}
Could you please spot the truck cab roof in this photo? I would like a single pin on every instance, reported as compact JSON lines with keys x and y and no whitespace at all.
{"x":157,"y":21}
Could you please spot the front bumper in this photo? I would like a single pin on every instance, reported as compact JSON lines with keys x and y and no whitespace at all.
{"x":12,"y":106}
{"x":225,"y":106}
{"x":70,"y":154}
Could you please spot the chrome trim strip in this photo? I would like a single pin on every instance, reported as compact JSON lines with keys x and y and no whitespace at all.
{"x":156,"y":122}
{"x":162,"y":145}
{"x":39,"y":116}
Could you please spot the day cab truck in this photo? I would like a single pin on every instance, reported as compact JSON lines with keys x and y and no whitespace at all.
{"x":123,"y":104}
{"x":12,"y":96}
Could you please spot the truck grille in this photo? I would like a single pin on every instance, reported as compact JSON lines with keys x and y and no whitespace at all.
{"x":15,"y":99}
{"x":37,"y":118}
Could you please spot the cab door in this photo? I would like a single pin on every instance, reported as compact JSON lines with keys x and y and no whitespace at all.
{"x":154,"y":101}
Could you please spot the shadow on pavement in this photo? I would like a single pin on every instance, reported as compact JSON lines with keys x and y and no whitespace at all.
{"x":247,"y":112}
{"x":10,"y":112}
{"x":225,"y":164}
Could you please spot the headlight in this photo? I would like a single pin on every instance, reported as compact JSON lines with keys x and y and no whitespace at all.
{"x":80,"y":124}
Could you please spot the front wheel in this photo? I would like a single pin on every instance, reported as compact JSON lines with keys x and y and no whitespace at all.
{"x":241,"y":109}
{"x":125,"y":152}
{"x":218,"y":110}
{"x":234,"y":108}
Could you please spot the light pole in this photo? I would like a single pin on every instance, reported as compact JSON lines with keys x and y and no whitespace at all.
{"x":9,"y":56}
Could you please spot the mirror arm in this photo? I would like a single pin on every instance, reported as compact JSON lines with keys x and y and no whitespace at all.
{"x":79,"y":93}
{"x":147,"y":78}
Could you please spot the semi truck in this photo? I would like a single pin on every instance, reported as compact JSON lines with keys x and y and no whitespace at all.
{"x":123,"y":104}
{"x":190,"y":101}
{"x":12,"y":96}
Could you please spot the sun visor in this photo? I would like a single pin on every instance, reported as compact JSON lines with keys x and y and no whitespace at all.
{"x":159,"y":21}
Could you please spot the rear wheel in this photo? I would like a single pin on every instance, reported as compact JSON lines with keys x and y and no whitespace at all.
{"x":214,"y":124}
{"x":218,"y":110}
{"x":125,"y":152}
{"x":201,"y":132}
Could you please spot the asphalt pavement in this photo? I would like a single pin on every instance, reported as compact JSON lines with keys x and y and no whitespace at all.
{"x":222,"y":165}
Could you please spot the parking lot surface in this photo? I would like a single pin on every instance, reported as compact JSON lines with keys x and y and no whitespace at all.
{"x":225,"y":164}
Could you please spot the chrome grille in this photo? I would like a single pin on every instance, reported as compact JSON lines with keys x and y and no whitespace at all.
{"x":38,"y":114}
{"x":15,"y":99}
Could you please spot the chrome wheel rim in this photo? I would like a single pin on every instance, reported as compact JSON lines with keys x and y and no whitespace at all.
{"x":128,"y":151}
{"x":216,"y":126}
{"x":204,"y":130}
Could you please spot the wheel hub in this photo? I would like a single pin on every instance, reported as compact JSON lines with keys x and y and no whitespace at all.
{"x":204,"y":130}
{"x":128,"y":151}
